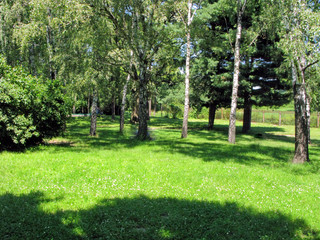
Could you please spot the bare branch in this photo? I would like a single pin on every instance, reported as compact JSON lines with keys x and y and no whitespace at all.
{"x":257,"y":35}
{"x":194,"y":13}
{"x":310,"y":64}
{"x":182,"y":18}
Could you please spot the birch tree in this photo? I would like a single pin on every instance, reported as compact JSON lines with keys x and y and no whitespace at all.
{"x":191,"y":10}
{"x":236,"y":72}
{"x":141,"y":25}
{"x":301,"y":25}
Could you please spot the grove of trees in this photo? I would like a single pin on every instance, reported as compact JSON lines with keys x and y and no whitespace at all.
{"x":115,"y":55}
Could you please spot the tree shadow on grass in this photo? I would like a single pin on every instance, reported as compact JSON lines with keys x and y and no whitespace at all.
{"x":145,"y":218}
{"x":202,"y":144}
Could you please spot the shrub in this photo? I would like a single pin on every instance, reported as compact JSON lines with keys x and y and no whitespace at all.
{"x":31,"y":109}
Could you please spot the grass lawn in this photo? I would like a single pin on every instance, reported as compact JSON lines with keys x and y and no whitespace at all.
{"x":114,"y":187}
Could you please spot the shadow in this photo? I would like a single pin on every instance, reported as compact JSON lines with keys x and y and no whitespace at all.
{"x":22,"y":218}
{"x":145,"y":218}
{"x":251,"y":149}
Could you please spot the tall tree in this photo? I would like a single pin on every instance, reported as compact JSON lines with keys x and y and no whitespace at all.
{"x":232,"y":121}
{"x":141,"y":25}
{"x":301,"y":31}
{"x":187,"y":21}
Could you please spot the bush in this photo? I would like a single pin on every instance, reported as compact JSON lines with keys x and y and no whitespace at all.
{"x":31,"y":109}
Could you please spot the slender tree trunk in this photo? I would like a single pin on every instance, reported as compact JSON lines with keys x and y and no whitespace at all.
{"x":50,"y":46}
{"x":123,"y":103}
{"x":150,"y":109}
{"x":74,"y":104}
{"x":308,"y":111}
{"x":247,"y":116}
{"x":143,"y":104}
{"x":88,"y":104}
{"x":94,"y":109}
{"x":232,"y":119}
{"x":184,"y":133}
{"x":212,"y":114}
{"x":113,"y":117}
{"x":124,"y":96}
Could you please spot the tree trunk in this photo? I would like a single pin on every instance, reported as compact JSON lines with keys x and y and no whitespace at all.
{"x":123,"y":103}
{"x":50,"y":46}
{"x":149,"y":109}
{"x":247,"y":117}
{"x":301,"y":122}
{"x":135,"y":108}
{"x":113,"y":117}
{"x":88,"y":104}
{"x":212,"y":114}
{"x":143,"y":105}
{"x":232,"y":119}
{"x":301,"y":125}
{"x":308,"y":112}
{"x":184,"y":133}
{"x":74,"y":104}
{"x":94,"y":109}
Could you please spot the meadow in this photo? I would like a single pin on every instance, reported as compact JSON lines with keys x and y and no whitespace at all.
{"x":114,"y":187}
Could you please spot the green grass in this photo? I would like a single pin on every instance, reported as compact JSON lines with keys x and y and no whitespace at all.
{"x":114,"y":187}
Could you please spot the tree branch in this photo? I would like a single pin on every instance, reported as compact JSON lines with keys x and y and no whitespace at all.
{"x":310,"y":64}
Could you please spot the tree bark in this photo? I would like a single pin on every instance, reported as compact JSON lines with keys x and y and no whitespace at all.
{"x":232,"y":119}
{"x":301,"y":122}
{"x":308,"y":112}
{"x":94,"y":109}
{"x":88,"y":104}
{"x":50,"y":46}
{"x":247,"y":112}
{"x":123,"y":103}
{"x":301,"y":125}
{"x":212,"y":114}
{"x":149,"y":109}
{"x":74,"y":104}
{"x":184,"y":132}
{"x":143,"y":104}
{"x":113,"y":108}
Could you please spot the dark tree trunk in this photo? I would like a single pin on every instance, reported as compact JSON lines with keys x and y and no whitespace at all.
{"x":134,"y":113}
{"x":247,"y":116}
{"x":212,"y":114}
{"x":94,"y":109}
{"x":301,"y":125}
{"x":143,"y":105}
{"x":88,"y":104}
{"x":113,"y":108}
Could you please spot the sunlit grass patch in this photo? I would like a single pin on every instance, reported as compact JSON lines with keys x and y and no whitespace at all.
{"x":115,"y":187}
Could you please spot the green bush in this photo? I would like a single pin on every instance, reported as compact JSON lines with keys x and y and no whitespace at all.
{"x":31,"y":109}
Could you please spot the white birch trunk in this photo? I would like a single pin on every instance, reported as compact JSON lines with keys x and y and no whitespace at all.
{"x":232,"y":119}
{"x":184,"y":133}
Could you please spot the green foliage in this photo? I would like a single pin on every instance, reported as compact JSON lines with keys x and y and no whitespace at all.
{"x":30,"y":109}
